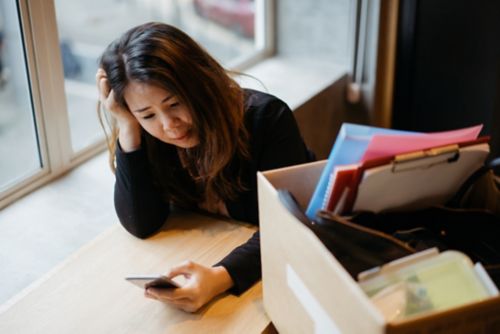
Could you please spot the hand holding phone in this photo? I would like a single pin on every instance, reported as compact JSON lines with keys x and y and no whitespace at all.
{"x":152,"y":281}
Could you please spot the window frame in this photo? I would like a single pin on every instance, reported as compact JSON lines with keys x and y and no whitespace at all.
{"x":265,"y":31}
{"x":38,"y":23}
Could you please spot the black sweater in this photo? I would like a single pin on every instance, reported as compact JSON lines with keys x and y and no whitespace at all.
{"x":275,"y":142}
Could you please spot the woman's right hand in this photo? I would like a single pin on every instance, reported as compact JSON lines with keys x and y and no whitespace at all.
{"x":129,"y":133}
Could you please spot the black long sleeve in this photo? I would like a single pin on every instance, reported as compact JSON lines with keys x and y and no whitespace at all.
{"x":138,"y":203}
{"x":276,"y":142}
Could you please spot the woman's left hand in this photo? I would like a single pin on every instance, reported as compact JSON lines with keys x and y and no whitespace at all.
{"x":202,"y":284}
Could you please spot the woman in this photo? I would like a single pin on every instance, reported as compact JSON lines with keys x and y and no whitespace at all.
{"x":188,"y":134}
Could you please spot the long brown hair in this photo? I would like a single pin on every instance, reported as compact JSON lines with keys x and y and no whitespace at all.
{"x":164,"y":56}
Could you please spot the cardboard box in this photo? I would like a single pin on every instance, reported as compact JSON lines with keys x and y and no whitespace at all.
{"x":306,"y":290}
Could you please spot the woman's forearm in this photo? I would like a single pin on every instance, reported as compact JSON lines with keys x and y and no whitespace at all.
{"x":223,"y":279}
{"x":129,"y":136}
{"x":139,"y":205}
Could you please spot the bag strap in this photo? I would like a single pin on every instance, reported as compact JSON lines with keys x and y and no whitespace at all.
{"x":457,"y":198}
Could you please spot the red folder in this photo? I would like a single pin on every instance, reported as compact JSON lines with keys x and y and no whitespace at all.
{"x":338,"y":187}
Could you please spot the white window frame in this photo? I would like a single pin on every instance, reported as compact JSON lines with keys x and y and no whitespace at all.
{"x":46,"y":77}
{"x":265,"y":30}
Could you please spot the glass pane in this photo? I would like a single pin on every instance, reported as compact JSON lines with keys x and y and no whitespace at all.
{"x":224,"y":27}
{"x":18,"y":142}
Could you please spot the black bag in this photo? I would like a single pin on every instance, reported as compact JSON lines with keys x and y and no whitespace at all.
{"x":475,"y":232}
{"x":481,"y":190}
{"x":470,"y":223}
{"x":356,"y":247}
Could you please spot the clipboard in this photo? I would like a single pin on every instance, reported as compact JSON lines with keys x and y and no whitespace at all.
{"x":349,"y":147}
{"x":409,"y":181}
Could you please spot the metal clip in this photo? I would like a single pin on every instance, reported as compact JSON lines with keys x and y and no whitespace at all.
{"x":425,"y":158}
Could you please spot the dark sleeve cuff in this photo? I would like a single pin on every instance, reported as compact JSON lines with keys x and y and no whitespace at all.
{"x":244,"y":265}
{"x":131,"y":160}
{"x":138,"y":203}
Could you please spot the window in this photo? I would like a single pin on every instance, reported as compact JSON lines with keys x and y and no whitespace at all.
{"x":19,"y":149}
{"x":225,"y":27}
{"x":49,"y":54}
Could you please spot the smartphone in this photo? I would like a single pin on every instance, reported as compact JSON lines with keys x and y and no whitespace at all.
{"x":152,"y":281}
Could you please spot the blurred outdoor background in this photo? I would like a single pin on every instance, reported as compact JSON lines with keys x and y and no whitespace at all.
{"x":224,"y":27}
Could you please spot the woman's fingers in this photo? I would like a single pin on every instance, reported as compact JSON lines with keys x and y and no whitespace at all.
{"x":99,"y":76}
{"x":174,"y":298}
{"x":202,"y":284}
{"x":129,"y":134}
{"x":172,"y":294}
{"x":100,"y":71}
{"x":164,"y":294}
{"x":186,"y":269}
{"x":185,"y":304}
{"x":106,"y":94}
{"x":104,"y":89}
{"x":148,"y":294}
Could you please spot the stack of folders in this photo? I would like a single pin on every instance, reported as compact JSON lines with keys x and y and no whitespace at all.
{"x":374,"y":169}
{"x":424,"y":282}
{"x":377,"y":170}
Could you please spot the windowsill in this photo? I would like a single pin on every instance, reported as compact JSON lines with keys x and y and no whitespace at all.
{"x":294,"y":80}
{"x":40,"y":230}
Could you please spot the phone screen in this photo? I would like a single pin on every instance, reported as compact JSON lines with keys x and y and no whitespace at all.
{"x":145,"y":282}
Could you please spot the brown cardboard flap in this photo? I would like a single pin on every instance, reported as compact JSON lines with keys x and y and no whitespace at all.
{"x":300,"y":180}
{"x":303,"y":283}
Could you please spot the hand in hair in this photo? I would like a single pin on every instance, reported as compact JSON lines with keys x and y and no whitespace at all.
{"x":202,"y":284}
{"x":129,"y":128}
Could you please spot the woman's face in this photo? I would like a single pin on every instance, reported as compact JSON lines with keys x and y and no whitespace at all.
{"x":161,"y":114}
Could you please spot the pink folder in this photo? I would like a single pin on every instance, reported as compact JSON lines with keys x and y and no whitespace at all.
{"x":390,"y":145}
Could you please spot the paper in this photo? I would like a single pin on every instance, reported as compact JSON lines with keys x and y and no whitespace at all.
{"x":388,"y":145}
{"x":424,"y":182}
{"x":350,"y":145}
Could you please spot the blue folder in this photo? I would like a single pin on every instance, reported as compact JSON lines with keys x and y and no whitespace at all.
{"x":350,"y":145}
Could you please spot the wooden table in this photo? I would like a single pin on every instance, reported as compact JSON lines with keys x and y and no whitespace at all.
{"x":88,"y":293}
